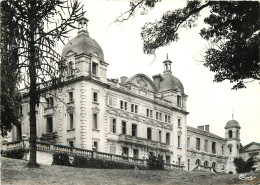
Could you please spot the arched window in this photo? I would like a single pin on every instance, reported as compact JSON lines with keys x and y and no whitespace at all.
{"x":197,"y":162}
{"x":206,"y":163}
{"x":230,"y":133}
{"x":214,"y":165}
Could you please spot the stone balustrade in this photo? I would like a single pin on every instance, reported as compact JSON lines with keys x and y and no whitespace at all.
{"x":52,"y":148}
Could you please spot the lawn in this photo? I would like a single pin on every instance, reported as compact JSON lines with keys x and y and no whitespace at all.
{"x":15,"y":172}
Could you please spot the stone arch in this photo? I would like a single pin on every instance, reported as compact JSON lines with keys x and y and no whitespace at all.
{"x":230,"y":134}
{"x":214,"y":165}
{"x":198,"y":162}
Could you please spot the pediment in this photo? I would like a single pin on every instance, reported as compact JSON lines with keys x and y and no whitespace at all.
{"x":113,"y":111}
{"x":124,"y":115}
{"x":143,"y":82}
{"x":135,"y":117}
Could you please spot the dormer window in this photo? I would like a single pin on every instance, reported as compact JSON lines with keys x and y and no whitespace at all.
{"x":70,"y":96}
{"x":178,"y":100}
{"x":70,"y":68}
{"x":49,"y":102}
{"x":94,"y":68}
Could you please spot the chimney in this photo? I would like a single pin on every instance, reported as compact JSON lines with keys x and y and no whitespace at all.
{"x":123,"y":79}
{"x":207,"y":128}
{"x":157,"y":79}
{"x":201,"y":127}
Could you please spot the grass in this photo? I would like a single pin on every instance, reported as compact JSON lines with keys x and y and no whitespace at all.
{"x":16,"y":172}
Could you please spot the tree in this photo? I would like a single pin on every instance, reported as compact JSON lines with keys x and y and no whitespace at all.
{"x":233,"y":29}
{"x":38,"y":26}
{"x":244,"y":166}
{"x":10,"y":96}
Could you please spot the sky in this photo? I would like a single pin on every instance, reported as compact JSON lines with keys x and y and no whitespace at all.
{"x":208,"y":103}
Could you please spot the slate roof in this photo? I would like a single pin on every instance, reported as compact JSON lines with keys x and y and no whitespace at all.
{"x":204,"y":133}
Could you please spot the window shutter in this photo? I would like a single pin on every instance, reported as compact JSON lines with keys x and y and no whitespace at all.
{"x":111,"y":125}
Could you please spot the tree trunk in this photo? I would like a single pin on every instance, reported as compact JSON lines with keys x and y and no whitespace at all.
{"x":33,"y":98}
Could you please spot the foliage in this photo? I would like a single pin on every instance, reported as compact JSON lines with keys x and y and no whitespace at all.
{"x":10,"y":97}
{"x":61,"y":159}
{"x":155,"y":162}
{"x":233,"y":29}
{"x":243,"y":166}
{"x":15,"y":154}
{"x":34,"y":29}
{"x":84,"y":162}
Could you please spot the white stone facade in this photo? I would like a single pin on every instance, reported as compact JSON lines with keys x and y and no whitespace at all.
{"x":133,"y":116}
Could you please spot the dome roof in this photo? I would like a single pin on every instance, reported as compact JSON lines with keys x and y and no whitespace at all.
{"x":170,"y":82}
{"x":82,"y":43}
{"x":232,"y":124}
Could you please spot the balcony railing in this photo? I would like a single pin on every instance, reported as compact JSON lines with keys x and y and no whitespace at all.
{"x":143,"y":142}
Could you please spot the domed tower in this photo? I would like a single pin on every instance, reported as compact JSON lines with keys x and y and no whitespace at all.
{"x":84,"y":56}
{"x":232,"y":135}
{"x":170,"y":87}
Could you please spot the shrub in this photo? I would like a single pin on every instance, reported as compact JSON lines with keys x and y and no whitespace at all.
{"x":61,"y":159}
{"x":243,"y":166}
{"x":83,"y":162}
{"x":15,"y":154}
{"x":155,"y":162}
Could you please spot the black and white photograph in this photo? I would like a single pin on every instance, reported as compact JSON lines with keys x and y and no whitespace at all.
{"x":130,"y":92}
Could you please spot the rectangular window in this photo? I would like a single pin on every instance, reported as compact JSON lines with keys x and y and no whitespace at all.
{"x":167,"y":138}
{"x":95,"y":97}
{"x":95,"y":121}
{"x":71,"y":143}
{"x":157,"y":115}
{"x":123,"y":127}
{"x":132,"y":108}
{"x":70,"y":68}
{"x":166,"y":118}
{"x":94,"y":68}
{"x":113,"y":125}
{"x":149,"y":133}
{"x":222,"y":150}
{"x":70,"y":96}
{"x":49,"y":125}
{"x":197,"y":143}
{"x":160,"y":116}
{"x":179,"y":161}
{"x":179,"y":122}
{"x":136,"y":109}
{"x":95,"y":146}
{"x":149,"y":113}
{"x":213,"y":147}
{"x":169,"y":119}
{"x":135,"y":153}
{"x":49,"y":102}
{"x":160,"y":136}
{"x":110,"y":101}
{"x":121,"y":104}
{"x":206,"y":145}
{"x":178,"y":100}
{"x":134,"y":130}
{"x":71,"y":126}
{"x":179,"y":141}
{"x":125,"y":151}
{"x":168,"y":159}
{"x":188,"y":142}
{"x":126,"y":106}
{"x":112,"y":149}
